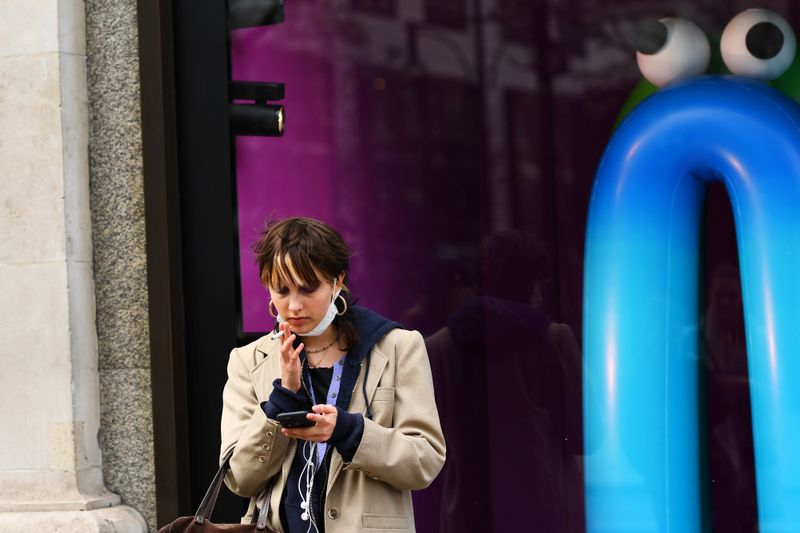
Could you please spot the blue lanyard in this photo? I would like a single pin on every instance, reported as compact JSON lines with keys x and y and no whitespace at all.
{"x":333,"y":392}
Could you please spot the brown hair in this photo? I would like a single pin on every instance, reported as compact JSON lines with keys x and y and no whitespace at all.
{"x":300,"y":250}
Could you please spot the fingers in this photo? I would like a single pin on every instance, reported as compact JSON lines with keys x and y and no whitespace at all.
{"x":323,"y":429}
{"x":312,"y":434}
{"x":319,"y":415}
{"x":323,"y":409}
{"x":287,"y":352}
{"x":287,"y":331}
{"x":297,"y":434}
{"x":288,"y":338}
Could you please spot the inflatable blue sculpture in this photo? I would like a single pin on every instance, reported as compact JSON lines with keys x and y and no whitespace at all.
{"x":642,"y":267}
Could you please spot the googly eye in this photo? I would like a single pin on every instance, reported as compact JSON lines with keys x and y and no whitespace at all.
{"x":758,"y":43}
{"x":671,"y":49}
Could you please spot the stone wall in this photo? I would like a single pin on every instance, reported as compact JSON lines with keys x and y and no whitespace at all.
{"x":51,"y":474}
{"x":118,"y":231}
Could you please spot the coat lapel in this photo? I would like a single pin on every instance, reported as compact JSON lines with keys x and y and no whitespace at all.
{"x":263,"y":372}
{"x":378,"y":362}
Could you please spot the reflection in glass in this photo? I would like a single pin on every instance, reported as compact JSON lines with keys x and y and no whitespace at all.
{"x":455,"y":149}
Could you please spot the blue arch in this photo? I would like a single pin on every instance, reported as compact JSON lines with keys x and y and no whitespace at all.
{"x":641,"y":310}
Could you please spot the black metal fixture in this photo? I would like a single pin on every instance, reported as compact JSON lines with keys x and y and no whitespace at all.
{"x":249,"y":13}
{"x":262,"y":117}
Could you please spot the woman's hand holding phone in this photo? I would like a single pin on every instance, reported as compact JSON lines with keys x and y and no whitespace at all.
{"x":324,"y":417}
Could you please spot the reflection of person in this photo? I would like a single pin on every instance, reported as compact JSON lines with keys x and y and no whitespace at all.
{"x":502,"y":360}
{"x":376,"y":435}
{"x":724,"y":326}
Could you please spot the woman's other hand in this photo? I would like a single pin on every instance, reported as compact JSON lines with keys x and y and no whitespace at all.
{"x":291,"y":370}
{"x":325,"y":418}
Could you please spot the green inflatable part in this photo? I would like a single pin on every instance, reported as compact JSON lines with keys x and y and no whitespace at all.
{"x":789,"y":82}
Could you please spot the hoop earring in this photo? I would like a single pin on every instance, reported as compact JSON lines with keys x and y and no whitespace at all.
{"x":343,"y":311}
{"x":270,"y":305}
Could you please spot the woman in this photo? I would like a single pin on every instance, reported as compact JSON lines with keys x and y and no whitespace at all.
{"x":367,"y":382}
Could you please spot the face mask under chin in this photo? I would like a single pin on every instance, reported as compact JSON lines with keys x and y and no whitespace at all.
{"x":326,"y":321}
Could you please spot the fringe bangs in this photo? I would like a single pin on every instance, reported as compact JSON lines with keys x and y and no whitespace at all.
{"x":293,"y":267}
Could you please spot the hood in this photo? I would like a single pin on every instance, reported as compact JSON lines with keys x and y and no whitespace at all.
{"x":371,"y":328}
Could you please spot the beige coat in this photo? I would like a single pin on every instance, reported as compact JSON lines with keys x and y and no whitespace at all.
{"x":402,"y":448}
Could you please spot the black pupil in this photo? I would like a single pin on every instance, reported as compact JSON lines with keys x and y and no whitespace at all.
{"x":764,"y":40}
{"x":651,"y":36}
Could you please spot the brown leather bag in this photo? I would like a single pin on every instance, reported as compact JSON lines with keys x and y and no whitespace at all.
{"x":200,"y":523}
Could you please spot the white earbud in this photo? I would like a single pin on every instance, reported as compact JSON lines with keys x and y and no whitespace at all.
{"x":303,"y":505}
{"x":304,"y":516}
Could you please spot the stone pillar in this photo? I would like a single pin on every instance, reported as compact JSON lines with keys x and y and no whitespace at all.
{"x":50,"y":462}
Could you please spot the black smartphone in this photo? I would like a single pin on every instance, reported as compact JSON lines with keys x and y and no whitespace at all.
{"x":295,"y":419}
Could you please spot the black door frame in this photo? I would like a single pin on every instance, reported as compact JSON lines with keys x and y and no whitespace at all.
{"x":192,"y":252}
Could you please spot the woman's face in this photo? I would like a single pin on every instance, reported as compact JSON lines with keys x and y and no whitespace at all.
{"x":303,"y":307}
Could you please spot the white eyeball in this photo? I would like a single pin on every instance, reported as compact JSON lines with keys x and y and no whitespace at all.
{"x":758,"y":43}
{"x":671,"y":49}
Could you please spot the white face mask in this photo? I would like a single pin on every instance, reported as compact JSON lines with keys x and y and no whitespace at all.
{"x":326,"y":321}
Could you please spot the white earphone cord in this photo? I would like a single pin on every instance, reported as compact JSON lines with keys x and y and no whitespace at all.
{"x":309,"y":471}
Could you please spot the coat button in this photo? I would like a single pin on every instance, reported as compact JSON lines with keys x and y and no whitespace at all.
{"x":333,"y":513}
{"x":262,"y":459}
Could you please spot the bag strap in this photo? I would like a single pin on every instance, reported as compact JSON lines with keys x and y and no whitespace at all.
{"x":261,"y":524}
{"x":210,"y":499}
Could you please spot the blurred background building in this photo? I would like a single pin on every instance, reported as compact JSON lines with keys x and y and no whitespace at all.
{"x":452,"y":142}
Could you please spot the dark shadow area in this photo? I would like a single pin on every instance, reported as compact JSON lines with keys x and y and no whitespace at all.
{"x":731,"y":463}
